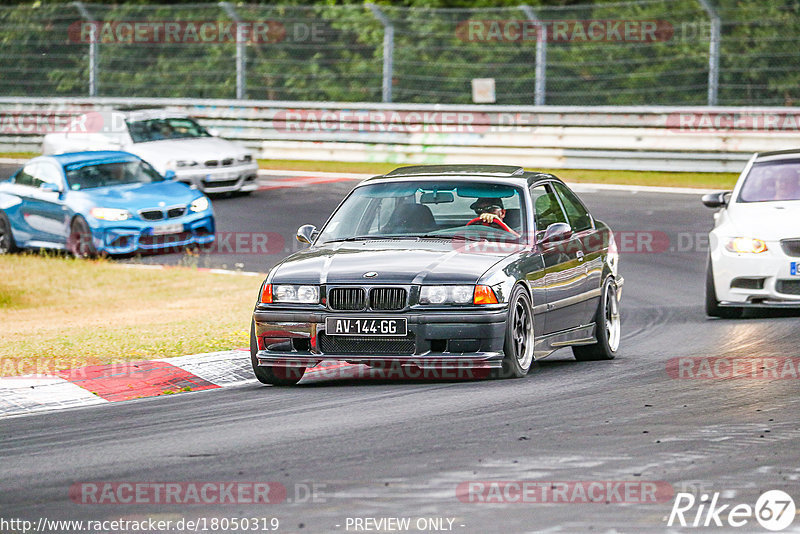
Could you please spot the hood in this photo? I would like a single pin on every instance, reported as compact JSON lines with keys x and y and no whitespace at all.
{"x":770,"y":221}
{"x":396,"y":262}
{"x":138,"y":196}
{"x":199,"y":149}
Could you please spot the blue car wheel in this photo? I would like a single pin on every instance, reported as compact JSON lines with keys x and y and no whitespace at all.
{"x":7,"y":243}
{"x":79,"y":242}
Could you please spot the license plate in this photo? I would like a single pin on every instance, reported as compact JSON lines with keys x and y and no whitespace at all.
{"x":793,"y":269}
{"x":371,"y":326}
{"x":222,"y":177}
{"x":168,"y":229}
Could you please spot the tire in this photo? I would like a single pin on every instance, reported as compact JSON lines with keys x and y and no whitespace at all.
{"x":518,"y":347}
{"x":79,"y":242}
{"x":275,"y":376}
{"x":608,"y":327}
{"x":713,"y":309}
{"x":7,"y":243}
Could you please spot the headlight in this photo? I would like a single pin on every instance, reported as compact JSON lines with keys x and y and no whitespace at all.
{"x":180,"y":163}
{"x":299,"y":294}
{"x":745,"y":245}
{"x":110,"y":214}
{"x":199,"y":204}
{"x":446,"y":294}
{"x":246,"y":158}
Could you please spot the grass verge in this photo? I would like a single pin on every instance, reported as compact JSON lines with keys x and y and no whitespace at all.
{"x":60,"y":313}
{"x":704,"y":180}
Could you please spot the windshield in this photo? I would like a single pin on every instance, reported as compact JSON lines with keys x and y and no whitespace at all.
{"x":109,"y":174}
{"x":160,"y":129}
{"x":772,"y":181}
{"x":424,"y":208}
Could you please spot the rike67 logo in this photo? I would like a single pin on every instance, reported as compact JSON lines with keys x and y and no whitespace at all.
{"x":774,"y":510}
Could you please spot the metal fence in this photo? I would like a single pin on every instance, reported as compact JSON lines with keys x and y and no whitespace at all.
{"x":665,"y":52}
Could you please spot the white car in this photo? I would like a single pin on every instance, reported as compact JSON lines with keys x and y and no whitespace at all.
{"x":754,"y":258}
{"x":169,"y":141}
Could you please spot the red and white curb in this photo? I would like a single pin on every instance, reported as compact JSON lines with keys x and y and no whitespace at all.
{"x":100,"y":384}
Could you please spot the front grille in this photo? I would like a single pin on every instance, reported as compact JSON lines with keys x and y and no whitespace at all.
{"x":347,"y":298}
{"x":222,"y":183}
{"x":366,"y":345}
{"x":788,"y":287}
{"x":212,"y":163}
{"x":176,"y":212}
{"x":387,"y":298}
{"x":791,"y":247}
{"x":152,"y":215}
{"x":227,"y":162}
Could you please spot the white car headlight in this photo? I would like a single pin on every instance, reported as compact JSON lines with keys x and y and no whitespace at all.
{"x":110,"y":214}
{"x":299,"y":294}
{"x":745,"y":245}
{"x":199,"y":204}
{"x":180,"y":164}
{"x":446,"y":294}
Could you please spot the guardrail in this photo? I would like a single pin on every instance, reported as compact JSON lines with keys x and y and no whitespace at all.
{"x":700,"y":139}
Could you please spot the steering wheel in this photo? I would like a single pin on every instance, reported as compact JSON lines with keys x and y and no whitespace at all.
{"x":498,"y":222}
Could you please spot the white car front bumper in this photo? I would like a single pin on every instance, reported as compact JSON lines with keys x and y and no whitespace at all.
{"x":769,"y":279}
{"x":221,"y":179}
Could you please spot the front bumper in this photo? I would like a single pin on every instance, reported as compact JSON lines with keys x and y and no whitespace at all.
{"x":436,"y":339}
{"x":132,"y":236}
{"x":756,"y":280}
{"x":241,"y":177}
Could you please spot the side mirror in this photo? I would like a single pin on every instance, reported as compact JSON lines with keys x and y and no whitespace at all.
{"x":307,"y":233}
{"x":169,"y":175}
{"x":213,"y":131}
{"x":49,"y":188}
{"x":716,"y":200}
{"x":555,"y":232}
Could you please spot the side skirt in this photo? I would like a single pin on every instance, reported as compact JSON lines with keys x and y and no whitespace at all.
{"x":580,"y":335}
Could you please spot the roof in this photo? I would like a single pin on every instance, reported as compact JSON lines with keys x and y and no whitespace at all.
{"x":793,"y":152}
{"x":511,"y":174}
{"x":486,"y":170}
{"x":73,"y":158}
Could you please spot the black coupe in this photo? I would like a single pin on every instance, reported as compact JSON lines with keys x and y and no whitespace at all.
{"x":467,"y":266}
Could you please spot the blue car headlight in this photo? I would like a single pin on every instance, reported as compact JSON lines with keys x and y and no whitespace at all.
{"x":110,"y":214}
{"x":199,"y":204}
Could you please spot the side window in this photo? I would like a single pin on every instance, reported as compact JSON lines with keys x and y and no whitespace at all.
{"x":546,"y":209}
{"x":25,"y":176}
{"x":579,"y":218}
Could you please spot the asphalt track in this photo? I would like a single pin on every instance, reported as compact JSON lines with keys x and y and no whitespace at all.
{"x":389,"y":448}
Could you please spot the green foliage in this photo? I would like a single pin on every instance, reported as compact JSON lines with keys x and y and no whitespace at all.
{"x":333,"y":51}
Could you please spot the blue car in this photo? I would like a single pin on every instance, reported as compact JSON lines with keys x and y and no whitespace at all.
{"x":107,"y":202}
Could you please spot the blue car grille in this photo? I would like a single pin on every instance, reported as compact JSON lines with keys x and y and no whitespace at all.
{"x":161,"y":214}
